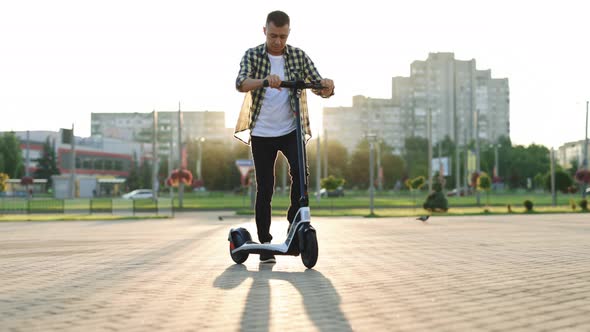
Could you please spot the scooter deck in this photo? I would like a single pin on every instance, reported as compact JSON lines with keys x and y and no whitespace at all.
{"x":289,"y":247}
{"x":259,"y":248}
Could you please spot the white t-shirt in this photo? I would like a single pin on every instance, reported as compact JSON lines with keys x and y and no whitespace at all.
{"x":276,"y":117}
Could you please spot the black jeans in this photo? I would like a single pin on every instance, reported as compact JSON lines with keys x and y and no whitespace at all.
{"x":264,"y":152}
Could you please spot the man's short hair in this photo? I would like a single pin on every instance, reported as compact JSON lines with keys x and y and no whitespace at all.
{"x":279,"y":18}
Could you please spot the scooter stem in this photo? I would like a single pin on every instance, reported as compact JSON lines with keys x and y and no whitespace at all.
{"x":304,"y":198}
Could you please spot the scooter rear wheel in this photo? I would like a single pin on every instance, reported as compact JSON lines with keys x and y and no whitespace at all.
{"x":309,"y":255}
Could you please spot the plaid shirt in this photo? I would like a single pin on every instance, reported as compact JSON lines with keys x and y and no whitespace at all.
{"x":255,"y":64}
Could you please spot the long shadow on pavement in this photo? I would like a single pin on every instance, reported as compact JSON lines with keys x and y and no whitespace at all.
{"x":320,"y":298}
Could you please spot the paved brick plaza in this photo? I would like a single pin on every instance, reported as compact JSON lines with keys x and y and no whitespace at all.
{"x":503,"y":273}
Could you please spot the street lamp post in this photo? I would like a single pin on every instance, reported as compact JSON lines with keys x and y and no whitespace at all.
{"x":585,"y":165}
{"x":429,"y":129}
{"x":496,"y":171}
{"x":371,"y":138}
{"x":318,"y":175}
{"x":379,"y":170}
{"x":201,"y":140}
{"x":496,"y":160}
{"x":155,"y":156}
{"x":73,"y":168}
{"x":477,"y":159}
{"x":552,"y":167}
{"x":181,"y":183}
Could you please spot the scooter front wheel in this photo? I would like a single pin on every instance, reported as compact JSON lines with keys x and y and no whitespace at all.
{"x":237,"y":237}
{"x":238,"y":257}
{"x":309,"y":255}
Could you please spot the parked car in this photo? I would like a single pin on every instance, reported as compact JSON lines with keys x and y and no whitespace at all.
{"x":338,"y":192}
{"x":459,"y":192}
{"x":139,"y":194}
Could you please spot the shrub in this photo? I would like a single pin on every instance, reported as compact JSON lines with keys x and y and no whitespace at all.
{"x":332,"y":183}
{"x":509,"y":207}
{"x":3,"y":179}
{"x":437,"y":186}
{"x":584,"y":205}
{"x":436,"y":201}
{"x":573,"y":204}
{"x":484,"y":182}
{"x":528,"y":205}
{"x":415,"y":183}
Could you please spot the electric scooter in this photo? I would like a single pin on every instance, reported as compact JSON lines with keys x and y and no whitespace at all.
{"x":301,"y":237}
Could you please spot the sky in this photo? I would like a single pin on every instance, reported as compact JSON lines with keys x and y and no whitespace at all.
{"x":61,"y":60}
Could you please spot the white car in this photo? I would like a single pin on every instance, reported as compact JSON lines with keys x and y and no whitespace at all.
{"x":139,"y":194}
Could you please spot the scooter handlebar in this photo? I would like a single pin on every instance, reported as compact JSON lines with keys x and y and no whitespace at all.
{"x":298,"y":85}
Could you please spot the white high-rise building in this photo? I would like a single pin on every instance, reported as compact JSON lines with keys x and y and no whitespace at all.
{"x":571,"y":154}
{"x":463,"y":101}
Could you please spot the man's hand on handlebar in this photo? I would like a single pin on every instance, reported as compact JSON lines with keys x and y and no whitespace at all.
{"x":274,"y":81}
{"x":328,"y":89}
{"x":323,"y":88}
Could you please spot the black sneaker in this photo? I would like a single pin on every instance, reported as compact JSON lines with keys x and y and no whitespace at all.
{"x":266,"y":257}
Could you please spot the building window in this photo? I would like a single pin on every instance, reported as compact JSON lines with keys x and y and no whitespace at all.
{"x":87,"y":164}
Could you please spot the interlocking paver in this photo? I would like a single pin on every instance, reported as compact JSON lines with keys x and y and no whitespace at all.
{"x":492,"y":273}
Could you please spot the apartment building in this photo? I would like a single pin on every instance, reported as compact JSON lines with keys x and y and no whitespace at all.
{"x":571,"y":152}
{"x":139,"y":126}
{"x":367,"y":116}
{"x":463,"y":102}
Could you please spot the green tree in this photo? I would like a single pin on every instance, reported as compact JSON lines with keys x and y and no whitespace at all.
{"x":525,"y":162}
{"x":11,"y":155}
{"x":218,"y":169}
{"x":416,"y":155}
{"x":47,"y":163}
{"x":484,"y":183}
{"x":539,"y":181}
{"x":337,"y":159}
{"x":447,"y":148}
{"x":357,"y":174}
{"x":574,"y":165}
{"x":163,"y":172}
{"x":145,"y":175}
{"x":134,"y":178}
{"x":394,"y":169}
{"x":562,"y":181}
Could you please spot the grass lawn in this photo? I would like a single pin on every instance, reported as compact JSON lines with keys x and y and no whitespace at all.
{"x":354,"y":203}
{"x":360,"y":199}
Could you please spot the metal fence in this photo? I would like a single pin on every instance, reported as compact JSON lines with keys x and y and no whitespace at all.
{"x":118,"y":206}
